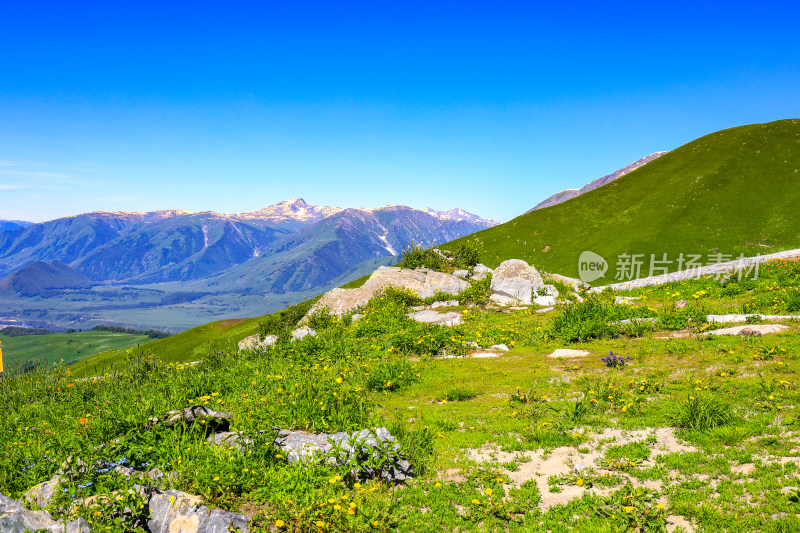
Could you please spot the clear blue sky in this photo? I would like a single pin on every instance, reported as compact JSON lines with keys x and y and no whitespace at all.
{"x":487,"y":106}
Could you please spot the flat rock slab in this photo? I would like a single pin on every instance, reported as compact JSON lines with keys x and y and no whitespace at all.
{"x":448,"y":303}
{"x":755,"y":330}
{"x":565,"y":352}
{"x":545,"y":310}
{"x":432,"y":317}
{"x":484,"y":355}
{"x":724,"y":319}
{"x":216,"y":420}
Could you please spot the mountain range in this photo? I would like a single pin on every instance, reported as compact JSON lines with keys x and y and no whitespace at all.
{"x":285,"y":249}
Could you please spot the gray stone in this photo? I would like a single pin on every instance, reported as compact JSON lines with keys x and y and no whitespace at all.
{"x":680,"y":304}
{"x":254,"y":342}
{"x":216,"y":420}
{"x":545,"y":310}
{"x":343,"y":447}
{"x":173,"y":511}
{"x":461,"y":273}
{"x":447,"y":303}
{"x":432,"y":317}
{"x":500,"y":347}
{"x":15,"y":518}
{"x":515,"y":281}
{"x":40,"y":495}
{"x":302,"y":332}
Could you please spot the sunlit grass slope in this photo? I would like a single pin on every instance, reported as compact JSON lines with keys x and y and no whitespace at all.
{"x":46,"y":349}
{"x":730,"y":192}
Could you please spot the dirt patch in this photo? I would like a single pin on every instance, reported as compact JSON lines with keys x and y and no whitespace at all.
{"x":540,"y":464}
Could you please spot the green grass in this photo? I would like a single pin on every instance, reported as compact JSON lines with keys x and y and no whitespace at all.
{"x":475,"y":429}
{"x":54,"y":347}
{"x":187,"y":346}
{"x":716,"y":193}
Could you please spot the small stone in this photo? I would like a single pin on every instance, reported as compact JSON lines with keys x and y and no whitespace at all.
{"x":626,"y":300}
{"x":565,"y":352}
{"x":744,"y":469}
{"x":501,"y":347}
{"x":461,"y":273}
{"x":680,"y":304}
{"x":254,"y":342}
{"x":302,"y":332}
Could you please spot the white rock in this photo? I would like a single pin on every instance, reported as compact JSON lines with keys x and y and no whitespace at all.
{"x":253,"y":342}
{"x":302,"y":332}
{"x":432,"y":317}
{"x":626,"y":300}
{"x":545,"y":310}
{"x":501,"y":347}
{"x":423,"y":282}
{"x":761,"y":329}
{"x":461,"y":273}
{"x":545,"y":301}
{"x":516,"y":279}
{"x":564,"y":352}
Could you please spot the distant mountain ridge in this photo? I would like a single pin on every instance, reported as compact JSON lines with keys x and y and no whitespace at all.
{"x":569,"y":194}
{"x":207,"y":258}
{"x":14,"y":224}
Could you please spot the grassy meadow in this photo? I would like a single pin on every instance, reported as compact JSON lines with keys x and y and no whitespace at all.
{"x":55,"y":347}
{"x":690,"y":432}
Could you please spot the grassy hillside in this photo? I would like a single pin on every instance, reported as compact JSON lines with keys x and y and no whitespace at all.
{"x":733,"y":191}
{"x":67,"y":346}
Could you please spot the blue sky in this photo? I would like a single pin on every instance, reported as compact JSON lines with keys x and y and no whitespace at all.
{"x":491,"y":107}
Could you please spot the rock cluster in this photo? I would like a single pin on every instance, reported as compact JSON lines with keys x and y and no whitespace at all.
{"x":424,"y":282}
{"x":366,"y":453}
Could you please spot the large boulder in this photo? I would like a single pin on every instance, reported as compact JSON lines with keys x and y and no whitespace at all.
{"x":515,"y":281}
{"x":15,"y":518}
{"x":176,"y":511}
{"x":423,"y":282}
{"x":343,"y":447}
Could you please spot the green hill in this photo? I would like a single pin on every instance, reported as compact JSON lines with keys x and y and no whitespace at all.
{"x":734,"y":191}
{"x":189,"y":345}
{"x":55,"y":347}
